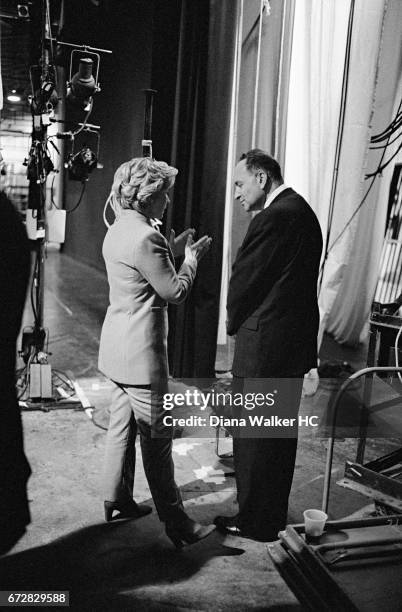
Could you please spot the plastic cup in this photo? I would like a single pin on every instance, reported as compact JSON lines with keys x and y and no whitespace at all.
{"x":314,"y":522}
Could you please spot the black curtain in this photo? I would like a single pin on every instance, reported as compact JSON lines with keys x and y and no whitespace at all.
{"x":126,"y":28}
{"x":199,"y":151}
{"x":165,"y":49}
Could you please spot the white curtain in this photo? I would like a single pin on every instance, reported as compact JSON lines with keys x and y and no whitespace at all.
{"x":377,"y":62}
{"x":318,"y":59}
{"x":313,"y":119}
{"x":298,"y":116}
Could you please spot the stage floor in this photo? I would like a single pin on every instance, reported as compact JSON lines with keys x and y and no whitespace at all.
{"x":131,"y":564}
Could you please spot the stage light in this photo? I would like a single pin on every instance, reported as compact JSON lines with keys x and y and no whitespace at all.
{"x":81,"y":164}
{"x":13,"y":96}
{"x":48,"y":94}
{"x":45,"y":99}
{"x":23,"y":11}
{"x":82,"y":85}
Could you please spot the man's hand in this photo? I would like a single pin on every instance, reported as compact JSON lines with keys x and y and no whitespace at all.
{"x":178,"y":244}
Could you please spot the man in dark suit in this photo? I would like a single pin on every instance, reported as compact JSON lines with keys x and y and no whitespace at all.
{"x":14,"y":467}
{"x":272,"y":308}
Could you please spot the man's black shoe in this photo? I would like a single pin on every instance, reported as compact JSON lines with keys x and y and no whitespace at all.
{"x":226,"y":521}
{"x":229,"y":525}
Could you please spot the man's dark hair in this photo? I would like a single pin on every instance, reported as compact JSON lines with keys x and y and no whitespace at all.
{"x":256,"y":159}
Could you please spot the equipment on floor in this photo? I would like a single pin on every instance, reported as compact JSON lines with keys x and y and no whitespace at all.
{"x":378,"y":415}
{"x":355,"y":565}
{"x":327,"y":572}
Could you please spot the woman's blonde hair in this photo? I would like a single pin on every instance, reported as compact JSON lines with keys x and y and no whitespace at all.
{"x":137,"y":180}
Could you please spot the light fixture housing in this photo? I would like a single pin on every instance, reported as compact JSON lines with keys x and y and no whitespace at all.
{"x":81,"y":164}
{"x":82,"y":85}
{"x":14,"y":96}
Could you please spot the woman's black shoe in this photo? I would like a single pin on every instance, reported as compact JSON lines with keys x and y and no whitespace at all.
{"x":187,"y":532}
{"x":127,"y":509}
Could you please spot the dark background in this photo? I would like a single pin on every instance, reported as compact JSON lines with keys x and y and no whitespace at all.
{"x":184,"y":49}
{"x":143,"y":36}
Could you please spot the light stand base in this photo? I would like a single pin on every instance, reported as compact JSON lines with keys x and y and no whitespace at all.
{"x":40,"y":381}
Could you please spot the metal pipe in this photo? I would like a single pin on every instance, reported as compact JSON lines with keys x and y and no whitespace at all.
{"x":330,"y":450}
{"x":147,"y":140}
{"x":83,"y":47}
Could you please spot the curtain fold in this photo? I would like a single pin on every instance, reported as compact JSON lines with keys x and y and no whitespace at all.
{"x":223,"y":338}
{"x":273,"y":38}
{"x":379,"y":32}
{"x":318,"y":65}
{"x":352,"y":165}
{"x":282,"y":100}
{"x":277,"y":26}
{"x":200,"y":146}
{"x":318,"y":55}
{"x":302,"y":49}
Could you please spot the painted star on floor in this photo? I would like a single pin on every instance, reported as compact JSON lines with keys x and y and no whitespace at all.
{"x":210,"y":475}
{"x":183,"y":448}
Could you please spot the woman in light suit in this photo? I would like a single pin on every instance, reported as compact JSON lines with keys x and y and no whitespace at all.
{"x":133,"y":345}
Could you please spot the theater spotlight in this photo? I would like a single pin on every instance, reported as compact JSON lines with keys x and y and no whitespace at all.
{"x":14,"y":96}
{"x":82,"y":85}
{"x":23,"y":11}
{"x":45,"y":99}
{"x":81,"y":164}
{"x":48,"y":94}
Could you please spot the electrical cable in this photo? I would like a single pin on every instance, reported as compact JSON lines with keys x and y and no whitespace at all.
{"x":52,"y":194}
{"x":341,"y":123}
{"x":19,"y":374}
{"x":40,"y":164}
{"x":396,"y":352}
{"x":70,"y":210}
{"x":84,"y":123}
{"x":47,"y":334}
{"x":392,"y":127}
{"x":64,"y":378}
{"x":387,"y":144}
{"x":26,"y":370}
{"x":40,"y":280}
{"x":339,"y":236}
{"x":386,"y":134}
{"x":33,"y":304}
{"x":71,"y":135}
{"x":373,"y":176}
{"x":381,"y":168}
{"x":49,"y":139}
{"x":105,"y":221}
{"x":98,"y":424}
{"x":107,"y":203}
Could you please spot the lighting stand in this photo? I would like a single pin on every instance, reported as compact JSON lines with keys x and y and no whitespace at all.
{"x":35,"y":380}
{"x":38,"y":373}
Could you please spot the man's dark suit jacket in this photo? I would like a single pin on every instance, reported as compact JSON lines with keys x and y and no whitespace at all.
{"x":272,"y":300}
{"x":14,"y":468}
